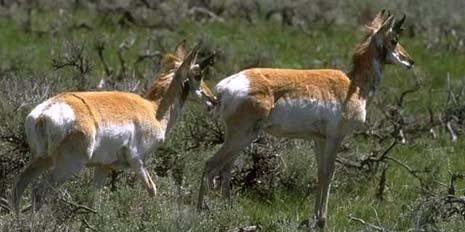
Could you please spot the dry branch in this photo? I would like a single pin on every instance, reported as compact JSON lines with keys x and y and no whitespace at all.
{"x":204,"y":132}
{"x":78,"y":206}
{"x":75,"y":58}
{"x":4,"y":204}
{"x":201,"y":11}
{"x":88,"y":225}
{"x":369,"y":161}
{"x":100,"y":47}
{"x":246,"y":229}
{"x":363,"y":222}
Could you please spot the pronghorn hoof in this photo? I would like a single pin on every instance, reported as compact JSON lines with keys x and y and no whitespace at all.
{"x":202,"y":207}
{"x":308,"y":224}
{"x":152,"y":192}
{"x":321,"y":222}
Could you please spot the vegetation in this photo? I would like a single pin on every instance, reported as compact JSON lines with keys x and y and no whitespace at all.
{"x":403,"y":172}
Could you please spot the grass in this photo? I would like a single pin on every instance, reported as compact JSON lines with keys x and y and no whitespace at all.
{"x":129,"y":208}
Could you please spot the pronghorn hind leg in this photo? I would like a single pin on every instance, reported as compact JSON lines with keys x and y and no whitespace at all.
{"x":69,"y":158}
{"x":33,"y":170}
{"x":238,"y":137}
{"x":326,"y":151}
{"x":138,"y":166}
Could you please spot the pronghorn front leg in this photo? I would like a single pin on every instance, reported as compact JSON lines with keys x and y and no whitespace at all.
{"x":226,"y":181}
{"x":210,"y":170}
{"x":326,"y":151}
{"x":100,"y":175}
{"x":214,"y":166}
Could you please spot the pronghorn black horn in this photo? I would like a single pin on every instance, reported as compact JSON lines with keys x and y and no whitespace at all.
{"x":398,"y":26}
{"x":210,"y":60}
{"x":196,"y":48}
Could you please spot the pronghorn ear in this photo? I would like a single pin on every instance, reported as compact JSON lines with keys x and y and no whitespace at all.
{"x":379,"y":34}
{"x":183,"y":70}
{"x":181,"y":49}
{"x":379,"y":18}
{"x":387,"y":24}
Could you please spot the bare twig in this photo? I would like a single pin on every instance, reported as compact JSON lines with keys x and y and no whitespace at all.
{"x":147,"y":4}
{"x":26,"y":208}
{"x":374,"y":158}
{"x":78,"y":206}
{"x":4,"y":204}
{"x":414,"y":89}
{"x":450,"y":130}
{"x":204,"y":11}
{"x":246,"y":229}
{"x":409,"y":169}
{"x":100,"y":46}
{"x":363,"y":222}
{"x":147,"y":55}
{"x":381,"y":185}
{"x":77,"y":59}
{"x":88,"y":225}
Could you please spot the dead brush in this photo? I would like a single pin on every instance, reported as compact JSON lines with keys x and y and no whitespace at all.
{"x":439,"y":205}
{"x":262,"y":168}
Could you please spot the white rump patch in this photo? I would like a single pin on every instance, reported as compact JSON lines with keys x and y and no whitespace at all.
{"x":237,"y":85}
{"x":39,"y":109}
{"x":62,"y":119}
{"x":60,"y":113}
{"x":232,"y":90}
{"x":59,"y":118}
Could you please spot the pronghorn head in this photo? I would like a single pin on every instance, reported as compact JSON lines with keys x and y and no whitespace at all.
{"x":193,"y":74}
{"x":385,"y":32}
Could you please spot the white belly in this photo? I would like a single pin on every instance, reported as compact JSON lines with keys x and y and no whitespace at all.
{"x":116,"y":144}
{"x":303,"y":118}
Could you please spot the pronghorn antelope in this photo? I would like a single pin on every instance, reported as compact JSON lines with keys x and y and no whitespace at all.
{"x":322,"y":105}
{"x":109,"y":130}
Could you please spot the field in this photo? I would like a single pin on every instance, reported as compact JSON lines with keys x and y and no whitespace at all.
{"x":403,"y":172}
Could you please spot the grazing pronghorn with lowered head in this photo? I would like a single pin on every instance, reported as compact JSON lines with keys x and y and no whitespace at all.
{"x":109,"y":130}
{"x":323,"y":105}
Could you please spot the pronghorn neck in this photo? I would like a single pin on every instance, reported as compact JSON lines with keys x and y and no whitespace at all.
{"x":168,"y":96}
{"x":367,"y":69}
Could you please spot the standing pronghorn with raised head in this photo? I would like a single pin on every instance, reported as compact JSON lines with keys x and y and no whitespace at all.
{"x":323,"y":105}
{"x":109,"y":130}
